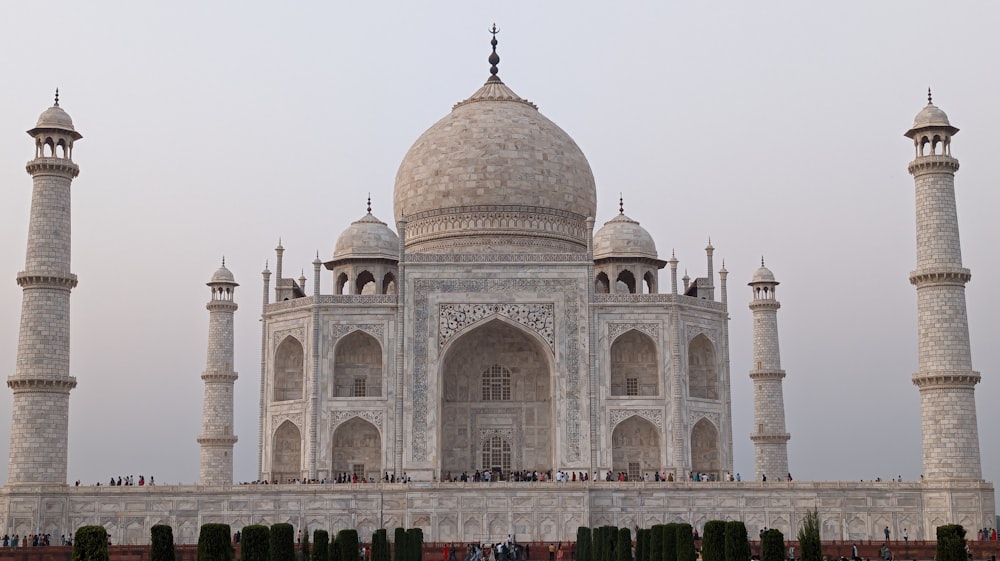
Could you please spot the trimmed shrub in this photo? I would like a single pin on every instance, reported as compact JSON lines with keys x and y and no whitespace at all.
{"x":214,"y":543}
{"x":321,"y":546}
{"x":670,"y":542}
{"x":304,"y":550}
{"x":809,"y":544}
{"x":685,"y":543}
{"x":583,"y":543}
{"x":282,"y":546}
{"x":399,"y":545}
{"x":161,"y":543}
{"x":713,"y":541}
{"x":415,"y":544}
{"x":90,"y":544}
{"x":623,"y":545}
{"x":656,"y":543}
{"x":640,"y":547}
{"x":380,"y":545}
{"x":950,"y":543}
{"x":347,"y":543}
{"x":647,"y":537}
{"x":255,"y":543}
{"x":333,"y":552}
{"x":737,"y":544}
{"x":772,"y":546}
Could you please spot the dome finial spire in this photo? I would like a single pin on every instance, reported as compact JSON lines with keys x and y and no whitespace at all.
{"x":621,"y":203}
{"x":223,"y":260}
{"x":929,"y":99}
{"x":494,"y":57}
{"x":369,"y":203}
{"x":57,"y":97}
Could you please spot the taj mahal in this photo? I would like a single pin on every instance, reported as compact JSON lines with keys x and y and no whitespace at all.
{"x":494,"y":323}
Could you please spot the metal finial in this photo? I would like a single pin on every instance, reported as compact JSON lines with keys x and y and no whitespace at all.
{"x":223,"y":260}
{"x":369,"y":203}
{"x":621,"y":204}
{"x":494,"y":57}
{"x":929,"y":99}
{"x":761,"y":260}
{"x":57,"y":97}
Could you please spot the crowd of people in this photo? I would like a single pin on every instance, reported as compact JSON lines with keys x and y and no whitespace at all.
{"x":34,"y":540}
{"x":126,"y":480}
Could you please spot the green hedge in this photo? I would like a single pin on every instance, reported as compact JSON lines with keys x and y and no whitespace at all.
{"x":161,"y":543}
{"x":656,"y":542}
{"x":380,"y":545}
{"x":685,"y":543}
{"x":713,"y":541}
{"x":90,"y":544}
{"x":772,"y":546}
{"x":583,"y":543}
{"x":215,"y":543}
{"x":670,"y":542}
{"x":415,"y":544}
{"x":305,"y":544}
{"x":321,"y":546}
{"x":950,"y":543}
{"x":737,"y":544}
{"x":282,"y":546}
{"x":640,"y":544}
{"x":255,"y":543}
{"x":809,"y":542}
{"x":347,"y":543}
{"x":623,"y":545}
{"x":399,"y":552}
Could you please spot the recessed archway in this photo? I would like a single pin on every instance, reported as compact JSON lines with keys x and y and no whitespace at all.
{"x":634,"y":369}
{"x":357,"y":370}
{"x":357,"y":449}
{"x":286,"y":453}
{"x":289,"y":370}
{"x":706,"y":453}
{"x":635,"y":448}
{"x":703,"y":371}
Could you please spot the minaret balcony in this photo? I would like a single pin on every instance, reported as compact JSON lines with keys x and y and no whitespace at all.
{"x":936,"y":276}
{"x":944,"y":379}
{"x":51,"y":165}
{"x":936,"y":162}
{"x":772,"y":438}
{"x":54,"y":385}
{"x":767,"y":374}
{"x":27,"y":279}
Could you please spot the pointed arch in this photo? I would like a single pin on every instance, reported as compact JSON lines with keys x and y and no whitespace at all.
{"x":389,"y":284}
{"x":286,"y":453}
{"x":496,"y":453}
{"x":635,"y":447}
{"x":601,"y":284}
{"x":357,"y":366}
{"x":357,"y":449}
{"x":703,"y":370}
{"x":650,"y":281}
{"x":289,"y":370}
{"x":706,"y":449}
{"x":341,"y":284}
{"x":365,"y":283}
{"x":634,"y":365}
{"x":626,"y":279}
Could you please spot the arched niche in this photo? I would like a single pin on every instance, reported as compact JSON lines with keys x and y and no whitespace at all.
{"x":601,"y":284}
{"x":649,"y":279}
{"x":286,"y":453}
{"x":626,"y":282}
{"x":703,"y":371}
{"x":340,"y":286}
{"x":635,"y":447}
{"x":289,"y":370}
{"x":526,"y":419}
{"x":389,"y":284}
{"x":357,"y":366}
{"x":634,"y":370}
{"x":365,"y":283}
{"x":357,"y":449}
{"x":706,"y":453}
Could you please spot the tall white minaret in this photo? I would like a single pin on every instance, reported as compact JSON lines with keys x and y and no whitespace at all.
{"x":217,"y":436}
{"x":945,"y":377}
{"x":770,"y":440}
{"x":41,"y":382}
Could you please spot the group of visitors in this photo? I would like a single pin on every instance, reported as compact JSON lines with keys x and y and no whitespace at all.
{"x":508,"y":550}
{"x":34,"y":540}
{"x":988,"y":534}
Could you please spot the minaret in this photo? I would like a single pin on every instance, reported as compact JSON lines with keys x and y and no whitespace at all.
{"x":709,"y":290}
{"x":945,"y":377}
{"x":217,"y":436}
{"x":770,"y":441}
{"x":41,"y":382}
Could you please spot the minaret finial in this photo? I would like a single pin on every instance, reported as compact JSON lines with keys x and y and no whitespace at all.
{"x":621,"y":203}
{"x":223,"y":260}
{"x":494,"y":57}
{"x":369,"y":203}
{"x":761,"y":260}
{"x":929,"y":99}
{"x":57,"y":97}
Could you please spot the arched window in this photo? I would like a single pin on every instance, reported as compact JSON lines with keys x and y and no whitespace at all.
{"x":496,"y":384}
{"x":650,"y":280}
{"x":389,"y":284}
{"x":601,"y":284}
{"x":341,"y":284}
{"x":626,"y":282}
{"x":365,"y":283}
{"x":289,"y":372}
{"x":496,"y":453}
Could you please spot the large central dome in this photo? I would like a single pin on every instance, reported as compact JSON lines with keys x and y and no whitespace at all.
{"x":495,"y":175}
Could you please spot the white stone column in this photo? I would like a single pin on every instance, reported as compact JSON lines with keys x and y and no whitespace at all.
{"x":945,"y":376}
{"x":41,"y":382}
{"x":769,"y":437}
{"x":217,"y":438}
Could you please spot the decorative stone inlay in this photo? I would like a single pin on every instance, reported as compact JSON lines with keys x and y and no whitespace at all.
{"x":423,"y":330}
{"x":298,"y":333}
{"x":713,"y":416}
{"x":295,"y":418}
{"x":692,"y":331}
{"x":654,"y":416}
{"x":457,"y":317}
{"x":617,"y":328}
{"x":373,"y":416}
{"x":496,"y":257}
{"x":377,"y":330}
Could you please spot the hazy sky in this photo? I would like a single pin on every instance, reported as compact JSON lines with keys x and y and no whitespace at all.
{"x":776,"y":128}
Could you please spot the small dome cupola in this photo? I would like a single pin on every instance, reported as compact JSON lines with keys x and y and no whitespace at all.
{"x":624,"y":251}
{"x":365,"y":257}
{"x":763,"y":283}
{"x":54,"y":133}
{"x":931,"y":131}
{"x":223,"y":284}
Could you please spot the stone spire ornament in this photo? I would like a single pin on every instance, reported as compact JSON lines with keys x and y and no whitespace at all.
{"x":494,"y":57}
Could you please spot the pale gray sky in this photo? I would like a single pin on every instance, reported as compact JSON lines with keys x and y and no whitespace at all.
{"x":776,"y":128}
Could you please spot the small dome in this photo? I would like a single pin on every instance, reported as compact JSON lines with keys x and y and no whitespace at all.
{"x":623,"y":237}
{"x":763,"y":274}
{"x":223,"y":276}
{"x":367,"y":238}
{"x":931,"y":116}
{"x":55,"y":118}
